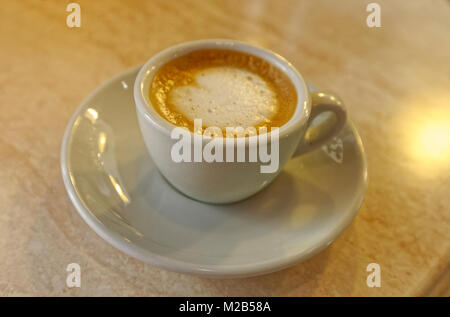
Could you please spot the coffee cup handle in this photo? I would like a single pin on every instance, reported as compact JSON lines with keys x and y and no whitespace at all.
{"x":317,"y":134}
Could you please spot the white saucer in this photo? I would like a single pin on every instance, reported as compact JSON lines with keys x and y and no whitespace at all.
{"x":118,"y":191}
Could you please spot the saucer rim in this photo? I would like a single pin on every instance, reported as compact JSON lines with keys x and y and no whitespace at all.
{"x":222,"y":271}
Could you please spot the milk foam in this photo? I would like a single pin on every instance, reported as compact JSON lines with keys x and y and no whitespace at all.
{"x":226,"y":97}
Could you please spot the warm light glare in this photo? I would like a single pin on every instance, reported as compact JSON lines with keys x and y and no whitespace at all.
{"x":433,"y":141}
{"x":101,"y":142}
{"x":91,"y":114}
{"x":119,"y":190}
{"x":425,"y":133}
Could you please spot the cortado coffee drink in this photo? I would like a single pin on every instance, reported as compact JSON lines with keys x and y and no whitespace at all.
{"x":225,"y":89}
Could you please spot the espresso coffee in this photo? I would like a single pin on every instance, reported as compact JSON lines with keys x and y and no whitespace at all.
{"x":224,"y":88}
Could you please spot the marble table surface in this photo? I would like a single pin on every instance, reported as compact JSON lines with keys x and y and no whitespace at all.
{"x":395,"y":80}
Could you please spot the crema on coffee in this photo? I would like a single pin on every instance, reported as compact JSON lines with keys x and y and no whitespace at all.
{"x":223,"y":88}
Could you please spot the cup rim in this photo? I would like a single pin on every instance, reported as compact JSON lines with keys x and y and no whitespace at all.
{"x":149,"y":69}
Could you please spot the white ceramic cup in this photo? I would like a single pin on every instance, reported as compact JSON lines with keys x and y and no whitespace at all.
{"x":226,"y":182}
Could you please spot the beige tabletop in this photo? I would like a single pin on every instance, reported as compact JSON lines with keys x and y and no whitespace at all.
{"x":395,"y":80}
